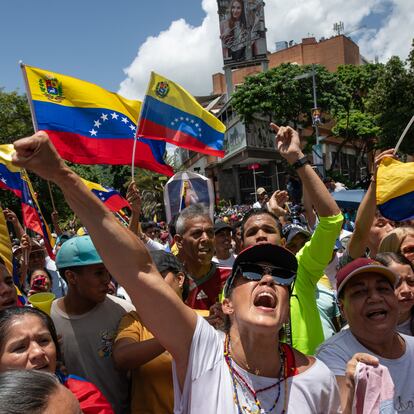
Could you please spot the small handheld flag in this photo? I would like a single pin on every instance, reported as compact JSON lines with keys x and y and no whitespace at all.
{"x":110,"y":197}
{"x":395,"y":189}
{"x":169,"y":113}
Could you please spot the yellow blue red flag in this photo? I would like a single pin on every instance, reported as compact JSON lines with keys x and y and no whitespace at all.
{"x":16,"y":180}
{"x":169,"y":113}
{"x":88,"y":124}
{"x":395,"y":189}
{"x":110,"y":197}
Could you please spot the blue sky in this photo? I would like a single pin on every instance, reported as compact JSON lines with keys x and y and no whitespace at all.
{"x":92,"y":40}
{"x":96,"y":40}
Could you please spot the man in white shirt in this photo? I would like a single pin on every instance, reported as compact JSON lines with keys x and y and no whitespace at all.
{"x":224,"y":256}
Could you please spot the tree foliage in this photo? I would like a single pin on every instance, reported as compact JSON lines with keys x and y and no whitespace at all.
{"x":391,"y":102}
{"x":282,"y":98}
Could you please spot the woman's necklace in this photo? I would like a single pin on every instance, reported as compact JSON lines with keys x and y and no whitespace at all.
{"x":256,"y":406}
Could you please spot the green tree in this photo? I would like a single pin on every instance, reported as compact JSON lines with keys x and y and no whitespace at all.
{"x":353,"y":123}
{"x":15,"y":119}
{"x":391,"y":102}
{"x":282,"y":98}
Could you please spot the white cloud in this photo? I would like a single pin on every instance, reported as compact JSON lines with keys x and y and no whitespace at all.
{"x":395,"y":36}
{"x":190,"y":55}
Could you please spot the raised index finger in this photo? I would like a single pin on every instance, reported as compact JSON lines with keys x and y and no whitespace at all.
{"x":274,"y":127}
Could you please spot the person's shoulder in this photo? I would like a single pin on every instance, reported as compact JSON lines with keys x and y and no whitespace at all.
{"x":114,"y":301}
{"x":340,"y":341}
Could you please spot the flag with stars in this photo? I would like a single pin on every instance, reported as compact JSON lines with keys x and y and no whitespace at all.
{"x":110,"y":197}
{"x":88,"y":124}
{"x":172,"y":115}
{"x":32,"y":214}
{"x":15,"y":179}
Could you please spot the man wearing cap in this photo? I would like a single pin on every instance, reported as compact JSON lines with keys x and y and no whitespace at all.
{"x":262,"y":198}
{"x":87,"y":318}
{"x":264,"y":227}
{"x":195,"y":242}
{"x":296,"y":236}
{"x":368,"y":302}
{"x":222,"y":234}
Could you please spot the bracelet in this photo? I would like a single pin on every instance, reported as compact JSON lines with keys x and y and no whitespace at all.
{"x":300,"y":162}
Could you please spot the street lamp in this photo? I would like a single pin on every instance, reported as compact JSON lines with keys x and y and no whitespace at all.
{"x":317,"y":149}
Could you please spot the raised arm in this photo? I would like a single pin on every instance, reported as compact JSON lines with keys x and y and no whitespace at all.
{"x":358,"y":242}
{"x":288,"y":144}
{"x":12,"y":217}
{"x":125,"y":256}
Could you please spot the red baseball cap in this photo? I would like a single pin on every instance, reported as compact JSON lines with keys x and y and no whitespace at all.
{"x":363,"y":265}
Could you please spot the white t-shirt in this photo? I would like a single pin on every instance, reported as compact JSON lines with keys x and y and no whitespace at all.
{"x":405,"y":327}
{"x":59,"y":286}
{"x":225,"y":262}
{"x":208,"y":386}
{"x":339,"y":349}
{"x":153,"y":245}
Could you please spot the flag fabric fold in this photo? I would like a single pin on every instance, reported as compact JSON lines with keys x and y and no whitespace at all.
{"x":395,"y":189}
{"x":16,"y":180}
{"x":110,"y":197}
{"x":169,"y":113}
{"x":88,"y":124}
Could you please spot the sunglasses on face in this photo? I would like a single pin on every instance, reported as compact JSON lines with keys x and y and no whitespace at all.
{"x":254,"y":271}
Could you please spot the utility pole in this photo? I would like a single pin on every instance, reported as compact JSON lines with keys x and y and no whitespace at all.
{"x":317,"y":149}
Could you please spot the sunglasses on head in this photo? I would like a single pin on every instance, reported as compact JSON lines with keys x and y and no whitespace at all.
{"x":254,"y":271}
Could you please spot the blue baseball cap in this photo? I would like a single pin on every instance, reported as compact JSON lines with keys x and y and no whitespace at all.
{"x":77,"y":251}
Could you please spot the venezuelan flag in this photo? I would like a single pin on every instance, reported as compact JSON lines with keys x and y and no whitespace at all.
{"x":171,"y":114}
{"x":32,"y":214}
{"x":10,"y":178}
{"x":88,"y":124}
{"x":395,"y":189}
{"x":16,"y":180}
{"x":110,"y":197}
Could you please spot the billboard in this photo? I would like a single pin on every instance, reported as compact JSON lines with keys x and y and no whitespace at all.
{"x":242,"y":31}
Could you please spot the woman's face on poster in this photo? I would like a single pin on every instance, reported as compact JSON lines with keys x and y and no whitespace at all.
{"x":236,"y":10}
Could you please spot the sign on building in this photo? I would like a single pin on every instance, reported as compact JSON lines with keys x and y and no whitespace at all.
{"x":242,"y":31}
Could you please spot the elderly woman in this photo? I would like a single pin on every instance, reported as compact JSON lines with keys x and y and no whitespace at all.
{"x":369,"y":304}
{"x":246,"y":371}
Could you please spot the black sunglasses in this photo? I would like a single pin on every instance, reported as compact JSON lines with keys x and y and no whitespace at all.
{"x":254,"y":271}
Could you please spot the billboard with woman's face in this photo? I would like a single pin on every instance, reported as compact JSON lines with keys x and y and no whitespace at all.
{"x":242,"y":31}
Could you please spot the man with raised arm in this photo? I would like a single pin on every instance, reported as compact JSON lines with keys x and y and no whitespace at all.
{"x":208,"y":364}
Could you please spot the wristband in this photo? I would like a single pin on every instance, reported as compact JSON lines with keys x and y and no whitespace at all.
{"x":300,"y":162}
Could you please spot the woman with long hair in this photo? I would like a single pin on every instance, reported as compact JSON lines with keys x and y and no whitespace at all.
{"x":234,"y":32}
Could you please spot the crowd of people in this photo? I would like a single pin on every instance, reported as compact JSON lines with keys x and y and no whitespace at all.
{"x":281,"y":307}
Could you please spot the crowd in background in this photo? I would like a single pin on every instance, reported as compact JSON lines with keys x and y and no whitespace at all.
{"x":288,"y":305}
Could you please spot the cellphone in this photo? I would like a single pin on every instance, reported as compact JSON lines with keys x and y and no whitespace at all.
{"x":39,"y":282}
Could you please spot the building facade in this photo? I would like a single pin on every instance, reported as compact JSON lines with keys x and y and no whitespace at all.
{"x":254,"y":143}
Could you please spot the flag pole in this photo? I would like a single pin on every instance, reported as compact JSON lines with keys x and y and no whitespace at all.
{"x":34,"y":120}
{"x":29,"y":95}
{"x":403,"y":134}
{"x":136,"y":133}
{"x":51,"y":196}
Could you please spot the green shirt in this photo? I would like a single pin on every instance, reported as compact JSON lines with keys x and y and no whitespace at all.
{"x":307,"y":332}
